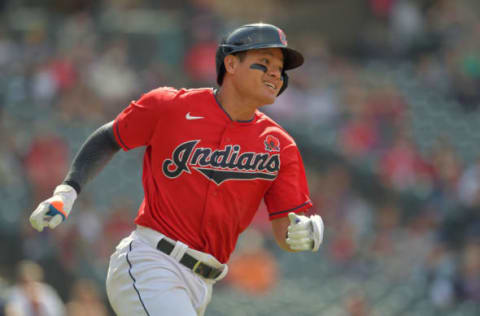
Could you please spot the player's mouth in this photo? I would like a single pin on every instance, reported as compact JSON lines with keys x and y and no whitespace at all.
{"x":270,"y":85}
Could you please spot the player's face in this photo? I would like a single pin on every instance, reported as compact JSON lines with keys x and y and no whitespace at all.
{"x":261,"y":74}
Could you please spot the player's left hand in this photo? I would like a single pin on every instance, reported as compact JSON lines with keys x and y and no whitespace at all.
{"x":304,"y":233}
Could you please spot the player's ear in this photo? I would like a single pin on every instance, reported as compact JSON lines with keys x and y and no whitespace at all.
{"x":231,"y":62}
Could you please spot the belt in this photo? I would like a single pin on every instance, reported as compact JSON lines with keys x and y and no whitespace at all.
{"x":190,"y":262}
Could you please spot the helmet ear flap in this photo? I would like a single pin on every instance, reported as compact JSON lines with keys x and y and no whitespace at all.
{"x":285,"y":83}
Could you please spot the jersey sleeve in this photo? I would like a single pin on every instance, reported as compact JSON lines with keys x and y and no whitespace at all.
{"x":136,"y":124}
{"x":289,"y":191}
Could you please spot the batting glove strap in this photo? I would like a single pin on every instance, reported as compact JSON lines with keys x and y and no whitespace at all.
{"x":67,"y":194}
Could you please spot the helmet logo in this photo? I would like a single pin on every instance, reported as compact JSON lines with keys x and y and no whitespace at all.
{"x":272,"y":143}
{"x":282,"y":36}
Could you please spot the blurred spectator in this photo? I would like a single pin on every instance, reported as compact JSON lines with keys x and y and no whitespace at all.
{"x":44,"y":86}
{"x":401,"y":166}
{"x":32,"y":244}
{"x":357,"y":304}
{"x":406,"y":27}
{"x":348,"y":214}
{"x":381,"y":8}
{"x":469,"y":185}
{"x":360,"y":135}
{"x":31,"y":295}
{"x":3,"y":291}
{"x":411,"y":252}
{"x":7,"y":49}
{"x":78,"y":31}
{"x":63,"y":72}
{"x":117,"y":226}
{"x":260,"y":221}
{"x":46,"y":163}
{"x":432,"y":72}
{"x":465,"y":75}
{"x":339,"y":202}
{"x":359,"y":138}
{"x":343,"y":245}
{"x":455,"y":26}
{"x":80,"y":104}
{"x":199,"y":59}
{"x":469,"y":277}
{"x":387,"y":231}
{"x":253,"y":269}
{"x":200,"y":62}
{"x":88,"y":221}
{"x":85,"y":300}
{"x":13,"y":182}
{"x":112,"y":78}
{"x":250,"y":10}
{"x":35,"y":44}
{"x":440,"y":270}
{"x":290,"y":107}
{"x":388,"y":108}
{"x":447,"y":168}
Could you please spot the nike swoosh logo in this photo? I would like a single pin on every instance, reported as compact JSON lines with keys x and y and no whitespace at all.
{"x":191,"y":117}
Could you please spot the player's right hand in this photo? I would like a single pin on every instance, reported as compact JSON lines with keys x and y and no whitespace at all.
{"x":54,"y":210}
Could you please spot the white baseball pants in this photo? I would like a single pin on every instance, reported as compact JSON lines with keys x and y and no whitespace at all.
{"x":142,"y":280}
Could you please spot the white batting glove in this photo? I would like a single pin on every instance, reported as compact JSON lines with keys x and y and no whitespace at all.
{"x":304,"y":233}
{"x":55,"y":210}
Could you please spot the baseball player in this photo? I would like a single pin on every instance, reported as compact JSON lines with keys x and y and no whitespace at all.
{"x":210,"y":158}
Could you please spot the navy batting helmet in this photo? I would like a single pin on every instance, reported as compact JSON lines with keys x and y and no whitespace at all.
{"x":256,"y":36}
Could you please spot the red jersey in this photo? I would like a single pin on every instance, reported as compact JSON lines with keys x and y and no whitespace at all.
{"x":205,"y":175}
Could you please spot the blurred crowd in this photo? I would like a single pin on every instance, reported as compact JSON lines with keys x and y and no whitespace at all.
{"x":394,"y":207}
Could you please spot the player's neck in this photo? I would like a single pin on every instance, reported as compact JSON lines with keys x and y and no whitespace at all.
{"x":238,"y":108}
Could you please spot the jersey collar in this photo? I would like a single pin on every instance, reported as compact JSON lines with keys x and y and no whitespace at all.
{"x":251,"y":121}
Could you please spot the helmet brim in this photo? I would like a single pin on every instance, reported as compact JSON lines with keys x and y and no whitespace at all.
{"x":293,"y":58}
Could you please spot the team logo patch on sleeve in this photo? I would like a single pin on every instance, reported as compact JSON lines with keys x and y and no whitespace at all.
{"x":272,"y":144}
{"x":219,"y":165}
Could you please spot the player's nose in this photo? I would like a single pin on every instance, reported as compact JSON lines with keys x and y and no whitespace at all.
{"x":275,"y":73}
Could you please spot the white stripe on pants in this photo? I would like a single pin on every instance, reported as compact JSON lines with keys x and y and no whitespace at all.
{"x":142,"y":280}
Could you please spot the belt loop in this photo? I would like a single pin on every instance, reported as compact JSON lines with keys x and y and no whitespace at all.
{"x":178,"y":251}
{"x":223,"y":274}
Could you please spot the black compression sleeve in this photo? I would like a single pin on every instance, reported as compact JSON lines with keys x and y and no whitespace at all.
{"x":94,"y":154}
